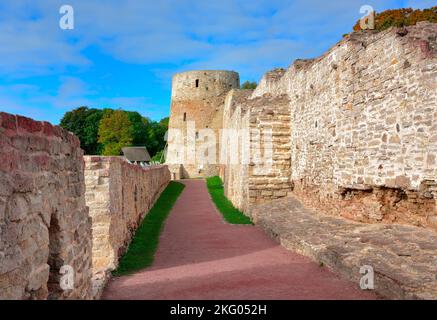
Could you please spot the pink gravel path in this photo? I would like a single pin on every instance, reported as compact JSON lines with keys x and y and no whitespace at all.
{"x":202,"y":257}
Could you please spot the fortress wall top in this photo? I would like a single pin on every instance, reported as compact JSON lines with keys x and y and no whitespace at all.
{"x":270,"y":83}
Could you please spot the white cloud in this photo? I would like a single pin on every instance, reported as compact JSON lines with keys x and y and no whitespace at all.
{"x":250,"y":37}
{"x":172,"y":31}
{"x":33,"y":44}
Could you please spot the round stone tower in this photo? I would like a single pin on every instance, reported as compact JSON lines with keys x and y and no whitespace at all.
{"x":198,"y":99}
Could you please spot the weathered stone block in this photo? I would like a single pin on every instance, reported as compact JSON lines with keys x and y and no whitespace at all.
{"x":432,"y":220}
{"x":18,"y":208}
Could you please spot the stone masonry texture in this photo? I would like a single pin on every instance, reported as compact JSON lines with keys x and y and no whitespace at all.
{"x":362,"y":125}
{"x":46,"y":188}
{"x":198,"y":98}
{"x":119,"y":195}
{"x":248,"y":184}
{"x":44,"y":222}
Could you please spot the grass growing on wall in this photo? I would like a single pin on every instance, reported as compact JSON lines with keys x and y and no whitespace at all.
{"x":141,"y":251}
{"x":226,"y":208}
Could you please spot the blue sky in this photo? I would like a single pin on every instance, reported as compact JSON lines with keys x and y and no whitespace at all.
{"x":122,"y":54}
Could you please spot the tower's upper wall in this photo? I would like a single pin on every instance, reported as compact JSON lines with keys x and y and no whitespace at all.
{"x":195,"y":85}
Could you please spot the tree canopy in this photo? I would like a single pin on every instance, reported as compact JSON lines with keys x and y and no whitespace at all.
{"x":115,"y":132}
{"x":249,"y":85}
{"x":107,"y":131}
{"x":84,"y":123}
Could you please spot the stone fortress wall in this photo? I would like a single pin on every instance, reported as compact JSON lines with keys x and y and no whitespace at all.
{"x":119,"y":195}
{"x":251,"y":183}
{"x":354,"y":134}
{"x":198,"y":98}
{"x":363,"y":125}
{"x":44,"y":221}
{"x":236,"y":174}
{"x":53,"y":215}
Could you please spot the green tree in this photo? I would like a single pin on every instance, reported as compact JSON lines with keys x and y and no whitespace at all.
{"x":164,"y":122}
{"x":91,"y":138}
{"x":247,"y":85}
{"x":140,"y":126}
{"x":115,"y":132}
{"x":84,"y":123}
{"x":156,"y":134}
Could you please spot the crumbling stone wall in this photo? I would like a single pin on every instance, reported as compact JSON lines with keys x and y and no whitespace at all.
{"x":119,"y":195}
{"x":364,"y":124}
{"x":262,"y":118}
{"x":44,"y":222}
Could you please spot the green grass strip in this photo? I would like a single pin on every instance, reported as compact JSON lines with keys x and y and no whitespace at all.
{"x":226,"y":208}
{"x":141,"y":251}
